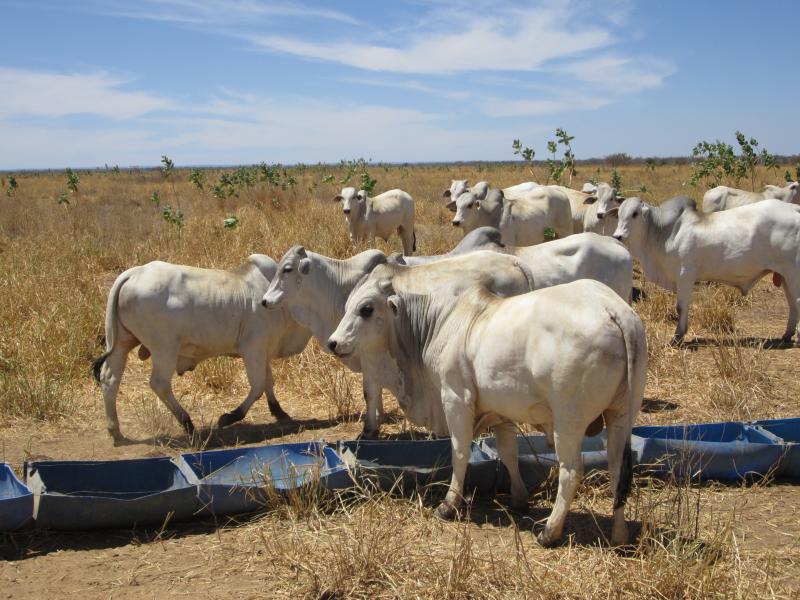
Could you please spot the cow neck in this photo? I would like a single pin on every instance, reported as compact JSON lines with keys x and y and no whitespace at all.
{"x":330,"y":282}
{"x":654,"y":247}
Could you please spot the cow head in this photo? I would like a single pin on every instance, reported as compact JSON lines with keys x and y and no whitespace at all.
{"x":457,"y":187}
{"x":288,"y":279}
{"x":364,"y":328}
{"x":630,"y":227}
{"x":352,"y":200}
{"x":607,"y":200}
{"x":466,"y":208}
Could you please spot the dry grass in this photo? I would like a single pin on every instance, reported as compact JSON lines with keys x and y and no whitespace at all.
{"x":57,"y":263}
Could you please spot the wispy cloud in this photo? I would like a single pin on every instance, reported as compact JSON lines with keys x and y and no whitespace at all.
{"x":516,"y":39}
{"x":408,"y":85}
{"x":34,"y":93}
{"x":620,"y":74}
{"x":217,"y":12}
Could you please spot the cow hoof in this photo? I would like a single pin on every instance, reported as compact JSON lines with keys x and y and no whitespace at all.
{"x":446,"y":512}
{"x":277,"y":412}
{"x":676,"y":341}
{"x":188,"y":426}
{"x":547,"y":541}
{"x":118,"y":439}
{"x":229,"y":418}
{"x":368,"y":434}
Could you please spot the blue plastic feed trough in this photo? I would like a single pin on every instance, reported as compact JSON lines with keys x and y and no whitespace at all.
{"x":788,"y":430}
{"x":536,"y":458}
{"x":413,"y":464}
{"x":237,"y":481}
{"x":707,"y":451}
{"x":16,"y":501}
{"x":100,"y":494}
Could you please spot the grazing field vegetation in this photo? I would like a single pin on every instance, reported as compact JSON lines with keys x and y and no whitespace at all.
{"x":65,"y":236}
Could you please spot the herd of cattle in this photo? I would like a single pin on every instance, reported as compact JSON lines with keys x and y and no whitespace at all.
{"x":505,"y":328}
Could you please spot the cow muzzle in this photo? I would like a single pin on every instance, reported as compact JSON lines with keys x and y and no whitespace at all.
{"x":619,"y":238}
{"x":338,"y":349}
{"x":456,"y":223}
{"x":601,"y":216}
{"x":346,"y":211}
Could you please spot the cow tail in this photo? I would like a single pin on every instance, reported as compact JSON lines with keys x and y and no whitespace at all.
{"x":414,"y":233}
{"x":111,"y":322}
{"x":635,"y":383}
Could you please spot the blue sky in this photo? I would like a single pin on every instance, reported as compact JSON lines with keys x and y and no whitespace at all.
{"x":90,"y":82}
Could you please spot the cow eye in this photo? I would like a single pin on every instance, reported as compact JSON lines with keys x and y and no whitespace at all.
{"x":287,"y":269}
{"x":366,"y":311}
{"x":469,"y":205}
{"x":634,"y":215}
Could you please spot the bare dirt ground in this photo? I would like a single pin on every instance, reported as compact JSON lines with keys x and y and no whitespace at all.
{"x":264,"y":556}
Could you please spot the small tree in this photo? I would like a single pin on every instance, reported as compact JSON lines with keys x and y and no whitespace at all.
{"x":12,"y":186}
{"x":556,"y":168}
{"x":196,"y":178}
{"x":718,"y":162}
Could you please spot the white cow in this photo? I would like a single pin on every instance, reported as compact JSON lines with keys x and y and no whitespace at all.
{"x":677,"y":245}
{"x":723,"y":197}
{"x":460,"y":186}
{"x":482,"y":238}
{"x":184,"y":315}
{"x":579,"y":201}
{"x":558,"y":358}
{"x":313,"y":289}
{"x":379,"y":216}
{"x":580,"y":256}
{"x":522,"y":220}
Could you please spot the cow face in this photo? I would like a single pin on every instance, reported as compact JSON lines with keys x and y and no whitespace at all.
{"x":364,"y":327}
{"x":352,"y":201}
{"x":630,"y":227}
{"x":467,"y":207}
{"x":457,"y":187}
{"x":288,"y":280}
{"x":607,"y":200}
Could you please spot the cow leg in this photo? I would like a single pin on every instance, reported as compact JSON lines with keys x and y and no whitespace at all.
{"x":685,"y":288}
{"x":509,"y":456}
{"x":110,"y":378}
{"x":374,"y":401}
{"x":570,"y":473}
{"x":791,"y":289}
{"x":272,"y":400}
{"x":407,"y":236}
{"x":259,"y":376}
{"x":460,"y":422}
{"x":161,"y":383}
{"x":620,"y":469}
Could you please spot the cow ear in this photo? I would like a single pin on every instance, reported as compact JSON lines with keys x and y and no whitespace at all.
{"x":396,"y":258}
{"x":590,"y":200}
{"x":612,"y":212}
{"x":385,"y":286}
{"x":395,"y":302}
{"x":451,"y":206}
{"x":793,"y":185}
{"x":362,"y":195}
{"x":305,"y":266}
{"x":446,"y":194}
{"x":477,"y":205}
{"x":338,"y":198}
{"x":620,"y":198}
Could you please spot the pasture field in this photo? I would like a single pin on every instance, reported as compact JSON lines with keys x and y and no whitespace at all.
{"x":57,"y":262}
